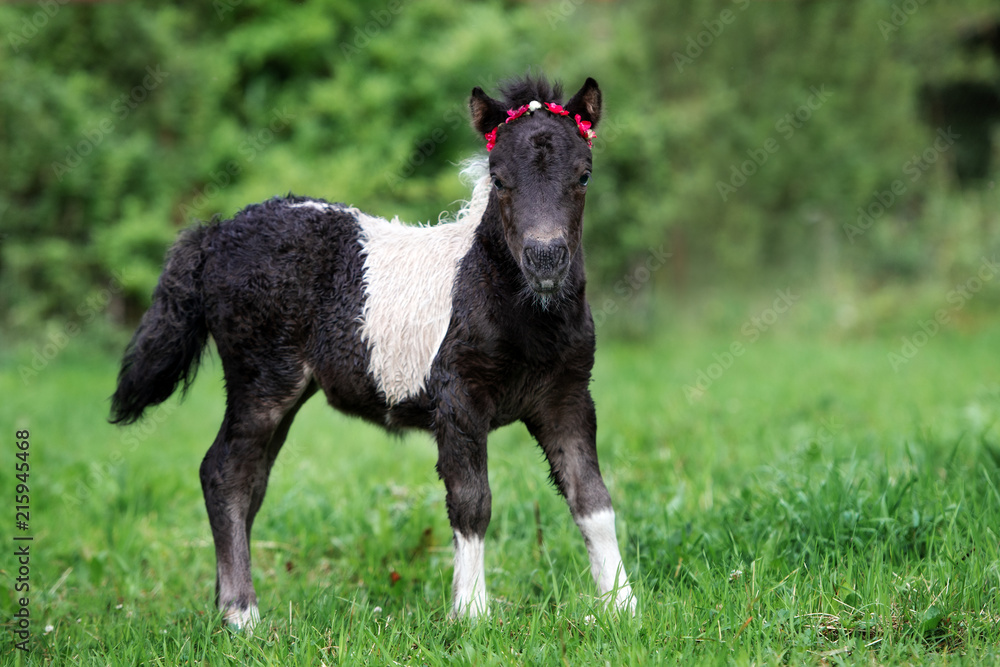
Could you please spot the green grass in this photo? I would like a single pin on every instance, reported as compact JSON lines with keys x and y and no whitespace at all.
{"x":812,"y":506}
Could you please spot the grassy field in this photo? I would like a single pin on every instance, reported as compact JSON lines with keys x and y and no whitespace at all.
{"x":807,"y":503}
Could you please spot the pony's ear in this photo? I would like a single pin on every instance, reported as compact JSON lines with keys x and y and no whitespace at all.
{"x":586,"y":102}
{"x":486,"y":112}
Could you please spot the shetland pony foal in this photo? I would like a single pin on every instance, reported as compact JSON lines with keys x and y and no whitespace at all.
{"x":457,"y":329}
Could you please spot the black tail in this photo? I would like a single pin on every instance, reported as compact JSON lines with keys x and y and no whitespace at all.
{"x":167,"y":345}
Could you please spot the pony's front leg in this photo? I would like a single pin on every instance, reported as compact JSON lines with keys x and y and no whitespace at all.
{"x":462,"y":466}
{"x":566,"y":432}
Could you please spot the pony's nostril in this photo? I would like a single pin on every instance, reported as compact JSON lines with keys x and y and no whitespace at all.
{"x":529,"y":257}
{"x":546,"y":260}
{"x":561,"y":256}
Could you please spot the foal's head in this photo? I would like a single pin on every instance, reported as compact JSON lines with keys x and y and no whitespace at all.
{"x":540,"y":166}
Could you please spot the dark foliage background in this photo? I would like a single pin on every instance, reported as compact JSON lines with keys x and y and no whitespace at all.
{"x":741,"y":136}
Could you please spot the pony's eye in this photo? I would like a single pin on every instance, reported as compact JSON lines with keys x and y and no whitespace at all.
{"x":497,"y":183}
{"x":585,"y":179}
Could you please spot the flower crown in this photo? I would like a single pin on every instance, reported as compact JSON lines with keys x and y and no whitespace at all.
{"x":582,"y":125}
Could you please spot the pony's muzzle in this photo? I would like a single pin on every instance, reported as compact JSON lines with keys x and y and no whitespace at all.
{"x":546,"y":264}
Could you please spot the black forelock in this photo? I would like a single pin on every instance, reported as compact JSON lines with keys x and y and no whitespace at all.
{"x":518,"y":92}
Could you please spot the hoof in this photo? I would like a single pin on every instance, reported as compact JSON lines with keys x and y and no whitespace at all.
{"x":242,"y":620}
{"x":620,"y":601}
{"x":625,"y":601}
{"x":475,"y":611}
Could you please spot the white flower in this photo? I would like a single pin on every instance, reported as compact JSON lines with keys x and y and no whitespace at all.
{"x":534,"y":105}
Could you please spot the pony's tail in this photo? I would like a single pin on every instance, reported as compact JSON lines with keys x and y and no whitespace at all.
{"x":168,"y":344}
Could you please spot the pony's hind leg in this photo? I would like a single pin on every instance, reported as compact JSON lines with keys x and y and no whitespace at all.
{"x":234,"y":475}
{"x":274,"y":446}
{"x":233,"y":467}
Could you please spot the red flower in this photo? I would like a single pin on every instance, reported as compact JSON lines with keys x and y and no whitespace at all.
{"x":583,"y":126}
{"x":514,"y":114}
{"x":585,"y":131}
{"x":556,"y":109}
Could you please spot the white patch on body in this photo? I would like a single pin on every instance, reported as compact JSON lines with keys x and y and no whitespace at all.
{"x":469,"y":588}
{"x":409,"y":272}
{"x":243,"y":619}
{"x":598,"y":531}
{"x":318,"y":205}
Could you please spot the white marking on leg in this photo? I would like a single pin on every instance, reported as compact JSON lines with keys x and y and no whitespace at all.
{"x":409,"y":273}
{"x":598,"y":531}
{"x":469,"y":590}
{"x":243,"y":619}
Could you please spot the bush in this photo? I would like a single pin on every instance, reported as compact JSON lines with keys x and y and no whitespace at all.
{"x":742,"y":137}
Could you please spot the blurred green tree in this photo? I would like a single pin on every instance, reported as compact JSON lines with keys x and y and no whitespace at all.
{"x":739,"y":137}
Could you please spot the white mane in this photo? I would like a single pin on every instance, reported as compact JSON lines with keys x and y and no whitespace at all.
{"x":475,"y":172}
